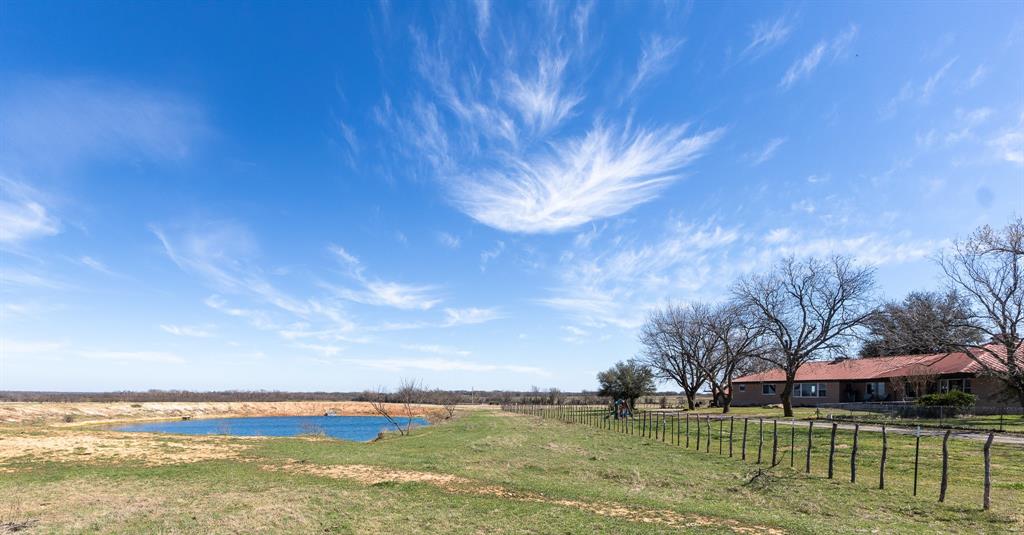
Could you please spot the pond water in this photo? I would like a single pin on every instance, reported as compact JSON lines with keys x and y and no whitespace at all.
{"x":356,"y":428}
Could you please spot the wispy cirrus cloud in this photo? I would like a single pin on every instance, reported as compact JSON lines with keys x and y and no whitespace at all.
{"x":449,"y":240}
{"x":469,"y":316}
{"x":614,"y":282}
{"x":502,"y":134}
{"x":379,"y":292}
{"x":437,"y":349}
{"x":191,"y":331}
{"x":922,"y":93}
{"x":655,"y":58}
{"x":63,"y":121}
{"x":767,"y":35}
{"x":808,"y":63}
{"x":602,"y":174}
{"x":441,"y":365}
{"x":61,"y":349}
{"x":767,"y":152}
{"x":22,"y":214}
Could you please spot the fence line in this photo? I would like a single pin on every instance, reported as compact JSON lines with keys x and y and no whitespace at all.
{"x":657,"y":426}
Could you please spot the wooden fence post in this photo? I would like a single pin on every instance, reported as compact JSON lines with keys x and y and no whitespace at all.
{"x":832,"y":451}
{"x":687,"y":430}
{"x":743,"y":450}
{"x":986,"y":500}
{"x":885,"y":453}
{"x":853,"y":454}
{"x":775,"y":443}
{"x":698,"y":432}
{"x":792,"y":443}
{"x":810,"y":433}
{"x":732,"y":420}
{"x":721,"y":423}
{"x":760,"y":438}
{"x":945,"y":467}
{"x":917,"y":456}
{"x":707,"y":446}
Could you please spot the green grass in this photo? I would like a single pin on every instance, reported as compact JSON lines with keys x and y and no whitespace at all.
{"x":527,"y":456}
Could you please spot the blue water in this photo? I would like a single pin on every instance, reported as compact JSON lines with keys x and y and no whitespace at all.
{"x":356,"y":428}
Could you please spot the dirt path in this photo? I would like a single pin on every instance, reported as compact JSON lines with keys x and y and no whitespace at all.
{"x":371,"y":475}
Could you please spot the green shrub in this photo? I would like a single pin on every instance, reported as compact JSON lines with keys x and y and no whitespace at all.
{"x":953,"y":398}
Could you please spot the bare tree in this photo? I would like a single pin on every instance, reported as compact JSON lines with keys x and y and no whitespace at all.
{"x":988,"y":268}
{"x":807,"y":309}
{"x":674,"y":340}
{"x":924,"y":322}
{"x":410,"y":392}
{"x":739,"y":340}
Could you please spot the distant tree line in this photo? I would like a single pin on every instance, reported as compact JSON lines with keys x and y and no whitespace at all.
{"x":806,"y":309}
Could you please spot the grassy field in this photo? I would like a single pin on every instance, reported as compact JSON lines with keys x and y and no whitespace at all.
{"x":484,"y":472}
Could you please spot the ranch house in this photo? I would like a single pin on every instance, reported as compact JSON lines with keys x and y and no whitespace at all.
{"x":898,"y":378}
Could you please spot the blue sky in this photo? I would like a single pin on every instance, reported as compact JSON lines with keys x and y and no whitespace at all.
{"x":480,"y":195}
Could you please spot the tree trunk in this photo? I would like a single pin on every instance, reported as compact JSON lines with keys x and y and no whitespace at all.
{"x":690,"y":397}
{"x":787,"y":399}
{"x":726,"y":403}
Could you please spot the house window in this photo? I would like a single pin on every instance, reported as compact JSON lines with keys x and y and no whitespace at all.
{"x":809,"y":390}
{"x":963,"y":385}
{"x":767,"y":389}
{"x":874,"y":391}
{"x":743,"y":388}
{"x":805,"y":390}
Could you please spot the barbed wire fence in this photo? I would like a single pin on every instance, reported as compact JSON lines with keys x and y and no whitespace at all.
{"x":695,"y":431}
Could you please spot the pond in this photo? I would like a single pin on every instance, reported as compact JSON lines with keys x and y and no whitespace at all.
{"x":355,"y":428}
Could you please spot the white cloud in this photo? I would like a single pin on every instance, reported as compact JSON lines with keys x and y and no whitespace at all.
{"x":597,"y":176}
{"x":493,"y":134}
{"x":767,"y":36}
{"x":614,"y":283}
{"x":1010,"y":145}
{"x":436,"y":349}
{"x":575,"y":334}
{"x":95,"y":265}
{"x":192,"y":331}
{"x":381,"y":293}
{"x":326,"y":350}
{"x":10,"y":347}
{"x":18,"y":277}
{"x":807,"y":64}
{"x":54,"y":122}
{"x":22,"y":216}
{"x":469,"y":316}
{"x":767,"y":152}
{"x":617,"y":284}
{"x":803,"y":205}
{"x":450,"y":241}
{"x":159,"y":357}
{"x":490,"y":254}
{"x":804,"y":66}
{"x":483,"y":18}
{"x":779,"y":235}
{"x":442,"y":365}
{"x":978,"y":76}
{"x":655,"y":58}
{"x":929,"y":85}
{"x":540,"y":100}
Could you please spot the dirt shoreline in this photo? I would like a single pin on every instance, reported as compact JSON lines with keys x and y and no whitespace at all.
{"x":86,"y":413}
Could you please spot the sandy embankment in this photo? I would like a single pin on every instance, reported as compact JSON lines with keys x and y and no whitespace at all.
{"x":69,"y":414}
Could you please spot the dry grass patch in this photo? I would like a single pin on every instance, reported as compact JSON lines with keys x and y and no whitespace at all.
{"x":372,"y":475}
{"x":96,"y":446}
